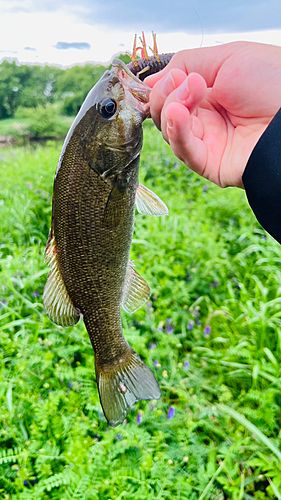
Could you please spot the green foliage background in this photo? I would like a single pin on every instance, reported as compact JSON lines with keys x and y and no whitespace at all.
{"x":33,"y":86}
{"x":211,"y":333}
{"x":39,"y":102}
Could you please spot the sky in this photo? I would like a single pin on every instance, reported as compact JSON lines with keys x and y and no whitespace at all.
{"x":78,"y":31}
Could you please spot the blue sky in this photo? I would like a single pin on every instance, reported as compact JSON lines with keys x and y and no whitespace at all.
{"x":66,"y":32}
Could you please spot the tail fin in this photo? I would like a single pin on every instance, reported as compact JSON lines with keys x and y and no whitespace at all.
{"x":122,"y":384}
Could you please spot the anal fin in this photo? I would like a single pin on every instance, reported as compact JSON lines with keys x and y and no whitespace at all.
{"x":57,"y":302}
{"x":136,"y":290}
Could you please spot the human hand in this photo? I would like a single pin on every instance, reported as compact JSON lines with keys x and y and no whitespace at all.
{"x":213,"y":104}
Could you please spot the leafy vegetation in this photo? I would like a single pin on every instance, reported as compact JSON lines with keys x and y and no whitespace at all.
{"x":43,"y":122}
{"x":211,"y":332}
{"x":39,"y":102}
{"x":73,"y":85}
{"x":32,"y":86}
{"x":25,"y":85}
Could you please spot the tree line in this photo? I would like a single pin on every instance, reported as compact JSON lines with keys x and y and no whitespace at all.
{"x":29,"y":86}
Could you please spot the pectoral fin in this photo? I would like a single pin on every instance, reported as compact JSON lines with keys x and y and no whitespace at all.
{"x":148,"y":203}
{"x":112,"y":215}
{"x":136,"y":290}
{"x":57,"y":302}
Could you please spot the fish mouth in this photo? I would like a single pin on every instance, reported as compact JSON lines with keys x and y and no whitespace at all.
{"x":134,"y":85}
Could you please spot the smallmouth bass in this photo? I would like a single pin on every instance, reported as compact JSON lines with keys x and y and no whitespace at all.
{"x":95,"y":192}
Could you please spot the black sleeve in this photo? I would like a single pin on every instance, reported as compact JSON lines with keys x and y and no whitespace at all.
{"x":262,"y":178}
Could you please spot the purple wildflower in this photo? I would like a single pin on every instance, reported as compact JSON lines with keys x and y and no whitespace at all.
{"x":139,"y":418}
{"x":207,"y":331}
{"x":35,"y":294}
{"x":156,"y":363}
{"x":160,"y":328}
{"x":186,"y":365}
{"x":169,"y":326}
{"x":149,"y":306}
{"x":30,"y":482}
{"x":215,"y":284}
{"x":152,"y":345}
{"x":205,"y":188}
{"x":171,"y":412}
{"x":190,"y":325}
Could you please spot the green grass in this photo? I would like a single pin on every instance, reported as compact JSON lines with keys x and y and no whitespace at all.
{"x":210,"y":265}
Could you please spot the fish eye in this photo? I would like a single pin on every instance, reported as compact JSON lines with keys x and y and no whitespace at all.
{"x":107,"y":107}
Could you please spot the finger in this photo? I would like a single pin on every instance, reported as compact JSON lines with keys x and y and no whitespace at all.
{"x":161,"y":91}
{"x":186,"y":146}
{"x":206,"y":61}
{"x":153,"y":79}
{"x":191,"y":92}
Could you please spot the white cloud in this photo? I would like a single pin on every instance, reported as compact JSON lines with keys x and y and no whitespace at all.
{"x":42,"y":30}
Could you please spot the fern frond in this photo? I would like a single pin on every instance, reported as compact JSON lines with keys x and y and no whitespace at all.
{"x":79,"y":490}
{"x":60,"y":479}
{"x":9,"y":455}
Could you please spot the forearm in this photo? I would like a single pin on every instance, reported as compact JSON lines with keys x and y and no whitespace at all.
{"x":262,"y":178}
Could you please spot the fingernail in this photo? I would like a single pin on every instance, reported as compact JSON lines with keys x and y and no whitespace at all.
{"x":170,"y":123}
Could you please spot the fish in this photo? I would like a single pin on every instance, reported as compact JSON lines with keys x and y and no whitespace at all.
{"x":96,"y":190}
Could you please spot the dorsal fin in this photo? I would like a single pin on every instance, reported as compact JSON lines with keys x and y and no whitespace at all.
{"x":57,"y":302}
